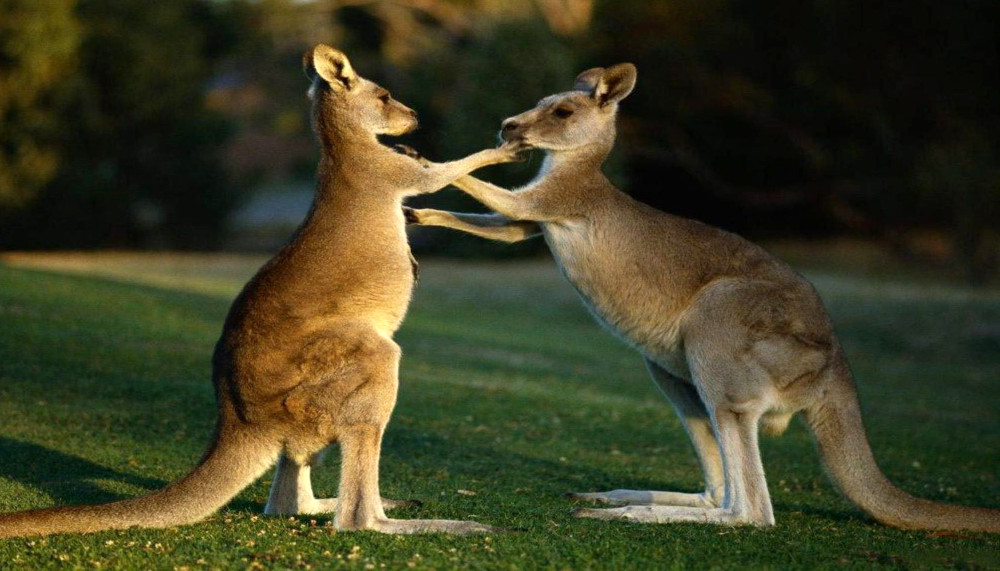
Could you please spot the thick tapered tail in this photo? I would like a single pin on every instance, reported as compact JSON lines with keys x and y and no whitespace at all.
{"x":836,"y":422}
{"x":234,"y":461}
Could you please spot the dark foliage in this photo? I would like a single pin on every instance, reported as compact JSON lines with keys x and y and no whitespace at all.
{"x":772,"y":118}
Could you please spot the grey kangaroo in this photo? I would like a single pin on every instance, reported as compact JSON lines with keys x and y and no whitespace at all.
{"x":734,"y":338}
{"x":306,"y":357}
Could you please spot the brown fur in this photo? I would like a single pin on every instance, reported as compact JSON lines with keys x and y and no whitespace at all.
{"x":733,"y":337}
{"x":306,"y":356}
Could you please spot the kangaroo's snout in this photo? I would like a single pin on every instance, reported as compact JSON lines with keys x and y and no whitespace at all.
{"x":509,"y":130}
{"x":404,"y":119}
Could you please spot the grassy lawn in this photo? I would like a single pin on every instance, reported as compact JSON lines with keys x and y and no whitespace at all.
{"x":510,"y":396}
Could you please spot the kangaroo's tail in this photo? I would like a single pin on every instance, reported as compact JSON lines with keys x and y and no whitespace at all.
{"x":836,"y":422}
{"x":234,"y":461}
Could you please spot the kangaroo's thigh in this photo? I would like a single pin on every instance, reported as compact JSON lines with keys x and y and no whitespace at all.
{"x":350,"y":378}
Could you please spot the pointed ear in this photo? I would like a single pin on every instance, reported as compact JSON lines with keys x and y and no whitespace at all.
{"x":587,"y":80}
{"x":615,"y":84}
{"x":330,"y":65}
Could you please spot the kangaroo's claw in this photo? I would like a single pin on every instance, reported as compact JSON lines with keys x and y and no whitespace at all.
{"x":412,"y":153}
{"x":406,"y":150}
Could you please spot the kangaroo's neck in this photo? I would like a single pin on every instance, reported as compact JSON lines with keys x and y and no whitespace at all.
{"x":580,"y":160}
{"x":349,"y":173}
{"x":338,"y":128}
{"x":575,"y":171}
{"x":351,"y":197}
{"x":347,"y":144}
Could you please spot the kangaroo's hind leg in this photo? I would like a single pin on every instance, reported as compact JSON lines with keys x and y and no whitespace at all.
{"x":736,"y":380}
{"x":684,"y":397}
{"x":746,"y":498}
{"x":292,"y":491}
{"x":352,"y":405}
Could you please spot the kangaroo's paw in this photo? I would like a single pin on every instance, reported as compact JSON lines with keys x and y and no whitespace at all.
{"x":516,"y":149}
{"x":665,"y":514}
{"x":410,"y":215}
{"x":412,"y":153}
{"x":646,"y":498}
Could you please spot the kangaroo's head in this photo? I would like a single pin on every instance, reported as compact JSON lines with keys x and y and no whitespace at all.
{"x":346,"y":102}
{"x":583,"y":117}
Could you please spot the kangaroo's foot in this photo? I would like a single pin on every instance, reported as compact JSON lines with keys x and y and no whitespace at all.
{"x":668,"y":514}
{"x":329,"y":506}
{"x":412,"y":526}
{"x":648,"y":498}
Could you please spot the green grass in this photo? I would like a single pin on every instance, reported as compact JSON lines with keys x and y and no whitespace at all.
{"x":510,"y":396}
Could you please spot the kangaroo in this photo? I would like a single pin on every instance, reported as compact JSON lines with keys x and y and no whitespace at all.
{"x":306,"y":357}
{"x":733,"y":337}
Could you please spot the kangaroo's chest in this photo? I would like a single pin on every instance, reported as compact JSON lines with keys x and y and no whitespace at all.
{"x":362,"y":276}
{"x":388,"y":280}
{"x":620,"y":289}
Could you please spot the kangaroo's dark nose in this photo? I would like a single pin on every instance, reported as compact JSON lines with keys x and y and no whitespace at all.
{"x":507,"y":129}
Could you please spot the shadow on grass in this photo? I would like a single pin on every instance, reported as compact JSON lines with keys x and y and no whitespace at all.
{"x":69,"y":479}
{"x":65,"y":478}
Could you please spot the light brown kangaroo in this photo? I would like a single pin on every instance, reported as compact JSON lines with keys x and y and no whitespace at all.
{"x":734,"y":338}
{"x":306,"y":356}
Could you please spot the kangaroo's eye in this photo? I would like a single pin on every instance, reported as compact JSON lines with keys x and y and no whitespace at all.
{"x":562,"y":112}
{"x":384,"y":98}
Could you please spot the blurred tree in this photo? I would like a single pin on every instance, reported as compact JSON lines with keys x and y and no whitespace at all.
{"x":261,"y":89}
{"x":773,"y":118}
{"x":38,"y":48}
{"x":961,"y":178}
{"x":139,"y":149}
{"x":779,"y":117}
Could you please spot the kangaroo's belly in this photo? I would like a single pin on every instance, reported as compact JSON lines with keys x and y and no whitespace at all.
{"x":622,"y":293}
{"x":380,"y":293}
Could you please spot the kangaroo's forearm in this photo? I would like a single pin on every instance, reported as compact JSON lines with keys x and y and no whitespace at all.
{"x":510,"y":204}
{"x":436,"y":176}
{"x":490,"y":226}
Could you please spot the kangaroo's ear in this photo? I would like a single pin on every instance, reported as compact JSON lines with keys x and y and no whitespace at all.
{"x":330,"y":65}
{"x":587,"y":80}
{"x":614,"y":84}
